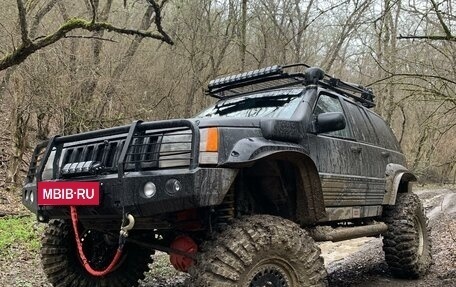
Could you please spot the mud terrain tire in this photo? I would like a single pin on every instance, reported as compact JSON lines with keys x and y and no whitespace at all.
{"x":63,"y":268}
{"x":407,"y":243}
{"x":260,"y":250}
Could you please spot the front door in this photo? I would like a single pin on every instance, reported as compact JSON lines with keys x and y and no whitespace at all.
{"x":338,"y":158}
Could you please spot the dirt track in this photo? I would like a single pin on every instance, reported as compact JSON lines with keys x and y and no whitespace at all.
{"x":357,"y":262}
{"x":360,"y":262}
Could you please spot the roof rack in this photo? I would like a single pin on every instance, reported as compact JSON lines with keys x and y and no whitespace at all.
{"x":275,"y":77}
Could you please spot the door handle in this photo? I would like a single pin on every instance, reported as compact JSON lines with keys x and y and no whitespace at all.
{"x":356,"y":149}
{"x":385,"y":154}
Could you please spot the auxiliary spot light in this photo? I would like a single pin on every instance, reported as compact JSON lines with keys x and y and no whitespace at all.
{"x":150,"y":189}
{"x":173,"y":186}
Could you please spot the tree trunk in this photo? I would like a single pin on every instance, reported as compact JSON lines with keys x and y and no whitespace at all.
{"x":243,"y":40}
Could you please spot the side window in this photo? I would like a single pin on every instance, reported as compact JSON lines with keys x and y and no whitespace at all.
{"x":361,"y":126}
{"x":326,"y":104}
{"x":385,"y":135}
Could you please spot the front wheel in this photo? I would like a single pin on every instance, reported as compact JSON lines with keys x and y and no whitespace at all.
{"x":407,"y":244}
{"x":257,"y":251}
{"x":63,"y":267}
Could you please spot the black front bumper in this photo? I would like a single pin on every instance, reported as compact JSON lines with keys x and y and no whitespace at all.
{"x":200,"y":187}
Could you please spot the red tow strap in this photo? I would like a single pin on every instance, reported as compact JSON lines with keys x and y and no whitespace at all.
{"x":85,"y":262}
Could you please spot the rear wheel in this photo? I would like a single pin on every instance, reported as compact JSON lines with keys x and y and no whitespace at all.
{"x":63,"y":267}
{"x":407,"y":244}
{"x":257,"y":251}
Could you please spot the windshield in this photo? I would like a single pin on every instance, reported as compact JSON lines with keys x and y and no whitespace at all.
{"x":276,"y":104}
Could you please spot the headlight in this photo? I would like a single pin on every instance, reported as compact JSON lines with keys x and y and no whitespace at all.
{"x":209,"y":143}
{"x":175,"y":149}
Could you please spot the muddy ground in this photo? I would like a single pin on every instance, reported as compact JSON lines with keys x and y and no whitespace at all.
{"x":357,"y":262}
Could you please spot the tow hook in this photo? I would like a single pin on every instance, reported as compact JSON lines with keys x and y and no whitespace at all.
{"x":124,"y":229}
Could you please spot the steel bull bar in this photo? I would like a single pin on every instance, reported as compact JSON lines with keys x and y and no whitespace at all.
{"x":136,"y":127}
{"x":122,"y":161}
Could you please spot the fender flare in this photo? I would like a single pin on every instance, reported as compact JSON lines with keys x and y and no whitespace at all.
{"x":247,"y":151}
{"x":310,"y":203}
{"x":395,"y":175}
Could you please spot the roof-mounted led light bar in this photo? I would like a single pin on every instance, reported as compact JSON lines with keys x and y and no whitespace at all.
{"x":275,"y":77}
{"x":244,"y":77}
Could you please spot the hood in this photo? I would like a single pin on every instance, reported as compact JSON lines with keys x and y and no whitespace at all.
{"x":227,"y":122}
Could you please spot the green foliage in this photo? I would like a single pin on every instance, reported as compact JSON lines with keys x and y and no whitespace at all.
{"x":162,"y":267}
{"x":19,"y":231}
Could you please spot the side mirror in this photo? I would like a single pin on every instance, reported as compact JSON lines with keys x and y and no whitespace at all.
{"x":330,"y":122}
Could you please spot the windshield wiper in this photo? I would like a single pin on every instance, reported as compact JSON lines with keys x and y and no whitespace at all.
{"x":250,"y":103}
{"x":269,"y":99}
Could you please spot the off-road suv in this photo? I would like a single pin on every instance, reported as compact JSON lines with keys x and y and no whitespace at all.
{"x":237,"y":196}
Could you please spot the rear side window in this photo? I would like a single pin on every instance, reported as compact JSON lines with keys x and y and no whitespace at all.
{"x":385,"y":135}
{"x":328,"y":104}
{"x":361,"y":126}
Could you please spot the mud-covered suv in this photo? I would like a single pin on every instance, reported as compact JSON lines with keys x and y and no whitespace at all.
{"x":237,"y":196}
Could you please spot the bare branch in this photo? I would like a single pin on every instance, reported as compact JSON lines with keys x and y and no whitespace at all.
{"x":439,"y":16}
{"x":24,"y":51}
{"x":11,"y":36}
{"x":158,"y":19}
{"x":94,"y":10}
{"x":412,"y":76}
{"x":39,"y":16}
{"x":90,"y":37}
{"x":448,"y":35}
{"x":23,"y":22}
{"x":63,"y":11}
{"x":126,"y":59}
{"x":430,"y":37}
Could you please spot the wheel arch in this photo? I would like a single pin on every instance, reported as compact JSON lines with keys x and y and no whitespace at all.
{"x":309,"y":206}
{"x":398,"y":180}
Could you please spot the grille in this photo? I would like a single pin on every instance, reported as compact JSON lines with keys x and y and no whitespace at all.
{"x":155,"y":149}
{"x":106,"y":152}
{"x":147,"y":151}
{"x":143,"y":153}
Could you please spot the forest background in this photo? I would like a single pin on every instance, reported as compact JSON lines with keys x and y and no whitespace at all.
{"x":72,"y":66}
